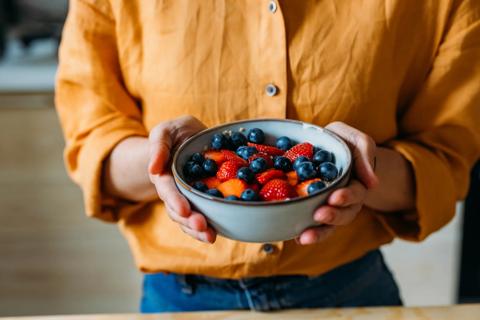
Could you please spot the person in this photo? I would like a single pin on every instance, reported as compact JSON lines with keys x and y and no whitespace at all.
{"x":399,"y":81}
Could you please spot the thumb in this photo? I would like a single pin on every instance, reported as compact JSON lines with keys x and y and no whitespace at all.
{"x":161,"y":143}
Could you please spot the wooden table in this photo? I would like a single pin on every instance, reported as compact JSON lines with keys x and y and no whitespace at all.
{"x":458,"y":312}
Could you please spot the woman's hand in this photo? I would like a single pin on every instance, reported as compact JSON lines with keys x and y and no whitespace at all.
{"x":162,"y":141}
{"x":344,"y":203}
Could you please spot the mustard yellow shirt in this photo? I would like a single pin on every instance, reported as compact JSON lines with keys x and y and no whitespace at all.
{"x":406,"y":72}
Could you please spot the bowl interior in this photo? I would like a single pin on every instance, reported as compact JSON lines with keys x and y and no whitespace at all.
{"x":296,"y":130}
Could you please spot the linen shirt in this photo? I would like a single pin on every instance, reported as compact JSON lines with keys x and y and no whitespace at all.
{"x":405,"y":72}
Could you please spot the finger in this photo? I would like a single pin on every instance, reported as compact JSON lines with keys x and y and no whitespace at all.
{"x":208,"y":236}
{"x":336,"y":216}
{"x":160,"y":147}
{"x":169,"y":194}
{"x":363,"y":149}
{"x":196,"y":221}
{"x":355,"y":192}
{"x":315,"y":234}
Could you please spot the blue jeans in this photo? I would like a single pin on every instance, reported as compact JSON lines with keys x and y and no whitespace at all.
{"x":363,"y":282}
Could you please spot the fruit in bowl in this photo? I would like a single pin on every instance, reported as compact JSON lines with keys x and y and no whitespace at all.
{"x":261,"y":180}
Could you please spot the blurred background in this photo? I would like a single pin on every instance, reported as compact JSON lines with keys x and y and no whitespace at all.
{"x":54,"y":260}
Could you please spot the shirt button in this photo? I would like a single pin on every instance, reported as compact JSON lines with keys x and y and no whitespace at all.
{"x":268,"y":248}
{"x":272,"y":6}
{"x":271,"y":90}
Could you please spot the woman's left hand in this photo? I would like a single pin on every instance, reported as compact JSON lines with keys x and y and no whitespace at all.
{"x":344,"y":204}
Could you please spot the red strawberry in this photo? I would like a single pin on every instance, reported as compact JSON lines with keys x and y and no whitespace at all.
{"x":232,"y":187}
{"x":302,"y":187}
{"x":273,"y":151}
{"x":292,"y":178}
{"x":228,"y":170}
{"x":254,"y":186}
{"x":211,"y":182}
{"x":268,"y":175}
{"x":277,"y":189}
{"x":303,"y":149}
{"x":232,"y":156}
{"x":265,"y":156}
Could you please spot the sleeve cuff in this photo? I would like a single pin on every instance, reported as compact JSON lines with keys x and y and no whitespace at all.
{"x":89,"y":167}
{"x":435,"y":195}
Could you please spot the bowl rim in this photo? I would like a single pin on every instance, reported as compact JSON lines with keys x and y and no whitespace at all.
{"x":179,"y":180}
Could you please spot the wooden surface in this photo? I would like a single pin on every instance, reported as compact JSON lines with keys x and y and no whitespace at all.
{"x":463,"y":312}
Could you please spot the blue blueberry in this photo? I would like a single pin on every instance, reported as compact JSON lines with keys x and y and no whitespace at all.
{"x":322,"y":156}
{"x":306,"y":171}
{"x":210,"y":167}
{"x":249,"y":195}
{"x":232,"y":197}
{"x":256,"y":135}
{"x":192,"y":170}
{"x":284,"y":143}
{"x":200,"y":186}
{"x":327,"y":171}
{"x":219,"y":141}
{"x":258,"y":165}
{"x":298,"y":161}
{"x":282,"y":163}
{"x":246,"y":152}
{"x":197,"y":157}
{"x":315,"y":187}
{"x":238,"y":139}
{"x":246,"y":174}
{"x":214,"y":193}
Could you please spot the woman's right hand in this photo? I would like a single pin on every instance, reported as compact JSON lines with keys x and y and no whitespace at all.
{"x":163,"y":139}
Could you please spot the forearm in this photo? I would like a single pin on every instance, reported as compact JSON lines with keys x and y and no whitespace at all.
{"x":396,"y":190}
{"x":126,"y":171}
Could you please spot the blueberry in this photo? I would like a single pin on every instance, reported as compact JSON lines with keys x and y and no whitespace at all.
{"x":219,"y":141}
{"x":315,"y":187}
{"x":246,"y":152}
{"x":246,"y":174}
{"x":327,"y":171}
{"x":214,"y":193}
{"x":322,"y":156}
{"x":256,"y":135}
{"x":232,"y":197}
{"x":192,"y":170}
{"x":284,"y":143}
{"x":238,"y":139}
{"x":210,"y":167}
{"x":282,"y":163}
{"x":298,"y":161}
{"x":306,"y":171}
{"x":249,"y":195}
{"x":200,"y":186}
{"x":197,"y":157}
{"x":258,"y":165}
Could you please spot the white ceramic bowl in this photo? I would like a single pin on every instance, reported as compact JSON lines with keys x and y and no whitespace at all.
{"x":263,"y":221}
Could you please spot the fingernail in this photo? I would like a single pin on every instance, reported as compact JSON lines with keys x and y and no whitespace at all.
{"x":325,"y":216}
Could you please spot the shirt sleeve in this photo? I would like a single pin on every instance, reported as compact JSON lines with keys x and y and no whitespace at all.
{"x":440,"y":130}
{"x":95,"y":109}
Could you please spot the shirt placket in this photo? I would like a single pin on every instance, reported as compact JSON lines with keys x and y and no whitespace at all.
{"x":272,"y":61}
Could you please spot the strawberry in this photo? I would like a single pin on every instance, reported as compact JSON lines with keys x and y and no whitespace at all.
{"x":268,"y":175}
{"x":232,"y":156}
{"x":228,"y":170}
{"x":302,"y":187}
{"x":211,"y":182}
{"x":254,"y":186}
{"x":265,"y":156}
{"x":292,"y":178}
{"x":303,"y":149}
{"x":273,"y":151}
{"x":232,"y":187}
{"x":277,"y":189}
